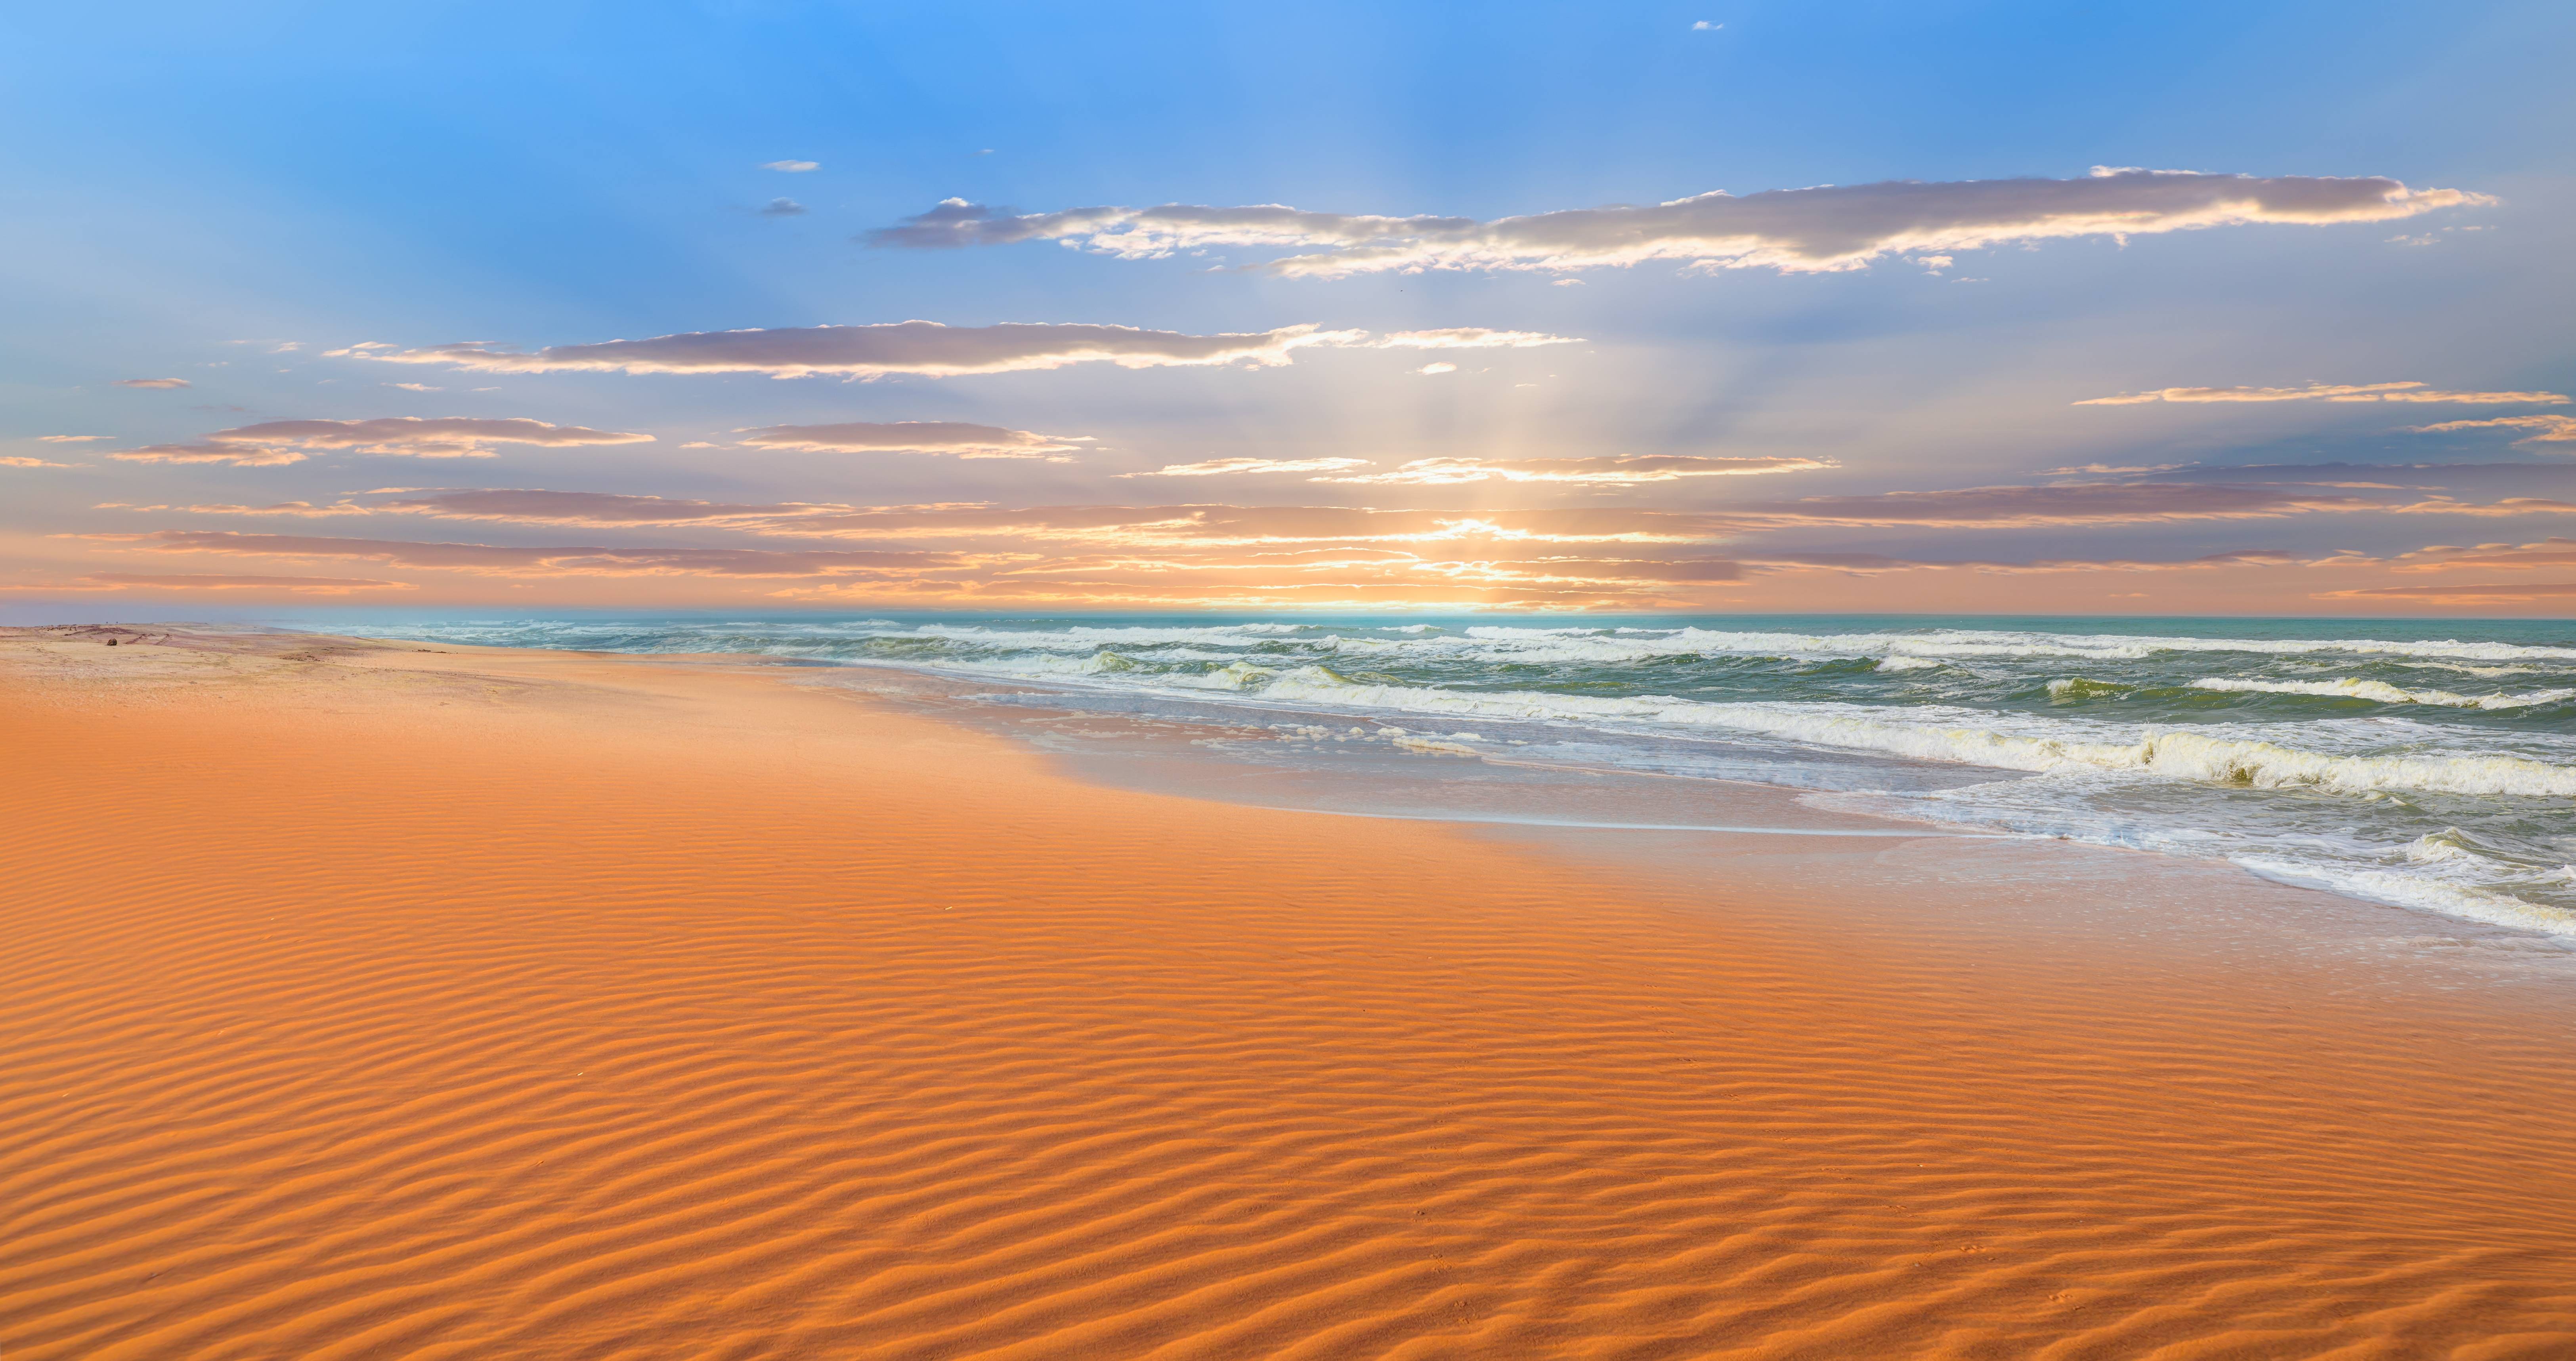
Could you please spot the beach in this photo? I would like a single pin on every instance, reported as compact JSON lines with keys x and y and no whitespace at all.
{"x":398,"y":999}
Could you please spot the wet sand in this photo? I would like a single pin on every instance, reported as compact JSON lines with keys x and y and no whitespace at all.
{"x":370,"y":1002}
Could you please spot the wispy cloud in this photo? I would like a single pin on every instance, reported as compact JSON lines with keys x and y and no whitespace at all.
{"x":1469,"y":338}
{"x":2076,"y":504}
{"x":791,"y":167}
{"x":71,"y":439}
{"x":916,"y":437}
{"x":1435,"y":472}
{"x":526,"y":506}
{"x":1227,"y":467}
{"x":2331,"y":392}
{"x":1792,"y":230}
{"x":15,"y":461}
{"x":521,"y":505}
{"x":2496,"y":594}
{"x":783,"y":207}
{"x":2547,"y":429}
{"x":2547,"y":553}
{"x":924,"y":348}
{"x":152,"y":383}
{"x":206,"y":581}
{"x":570,"y":561}
{"x":272,"y":443}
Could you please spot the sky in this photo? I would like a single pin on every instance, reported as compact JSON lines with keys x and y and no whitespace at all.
{"x":1940,"y":307}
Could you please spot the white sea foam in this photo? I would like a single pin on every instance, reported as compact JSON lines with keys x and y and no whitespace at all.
{"x":1947,"y":643}
{"x":2417,"y":891}
{"x":2384,"y":693}
{"x":1901,"y":662}
{"x":2174,"y":754}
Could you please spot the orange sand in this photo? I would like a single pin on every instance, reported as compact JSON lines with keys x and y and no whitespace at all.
{"x":359,"y":1002}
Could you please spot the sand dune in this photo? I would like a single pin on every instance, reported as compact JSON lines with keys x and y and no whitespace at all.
{"x":363,"y":1002}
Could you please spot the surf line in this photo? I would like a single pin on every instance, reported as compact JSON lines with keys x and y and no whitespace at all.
{"x":1647,"y":826}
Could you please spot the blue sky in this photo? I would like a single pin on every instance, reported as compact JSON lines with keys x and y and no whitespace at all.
{"x":203,"y":189}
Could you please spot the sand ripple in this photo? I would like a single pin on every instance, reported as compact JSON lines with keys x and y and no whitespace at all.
{"x":402,"y":1014}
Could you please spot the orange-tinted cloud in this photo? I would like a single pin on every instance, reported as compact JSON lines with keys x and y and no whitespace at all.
{"x":915,"y":437}
{"x":1228,"y":467}
{"x":271,"y":443}
{"x":575,"y":561}
{"x":2547,"y":553}
{"x":2500,"y":594}
{"x":208,"y":581}
{"x":2072,"y":504}
{"x":1438,"y":472}
{"x":2546,"y":429}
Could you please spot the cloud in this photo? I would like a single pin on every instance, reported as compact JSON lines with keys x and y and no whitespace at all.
{"x":783,"y":207}
{"x":2460,"y":595}
{"x":153,"y":383}
{"x":2330,"y":392}
{"x":529,"y":506}
{"x":305,"y":509}
{"x":16,"y":462}
{"x":71,"y":439}
{"x":2547,"y":553}
{"x":491,"y":559}
{"x":207,"y":581}
{"x":415,"y":387}
{"x":1792,"y":230}
{"x":791,"y":167}
{"x":2546,"y":429}
{"x":1206,"y":525}
{"x":1434,"y":370}
{"x":1469,"y":338}
{"x":1226,"y":467}
{"x":1435,"y":472}
{"x":271,"y":443}
{"x":2079,"y":503}
{"x":2492,"y":477}
{"x":2106,"y":470}
{"x":1704,"y":26}
{"x":2511,"y":505}
{"x":238,"y":455}
{"x":915,"y":437}
{"x":904,"y":347}
{"x":1873,"y":564}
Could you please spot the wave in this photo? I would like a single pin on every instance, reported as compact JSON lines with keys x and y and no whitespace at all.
{"x":2383,"y":693}
{"x":2168,"y":753}
{"x":1947,"y":643}
{"x":2407,"y":890}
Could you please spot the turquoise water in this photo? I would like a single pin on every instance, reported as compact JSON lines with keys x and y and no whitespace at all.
{"x":2423,"y":764}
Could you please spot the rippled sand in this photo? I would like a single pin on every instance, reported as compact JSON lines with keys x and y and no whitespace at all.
{"x":363,"y":1002}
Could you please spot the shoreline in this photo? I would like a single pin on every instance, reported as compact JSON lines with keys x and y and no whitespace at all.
{"x":667,"y":1006}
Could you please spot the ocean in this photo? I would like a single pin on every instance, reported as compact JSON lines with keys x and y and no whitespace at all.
{"x":2428,"y":765}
